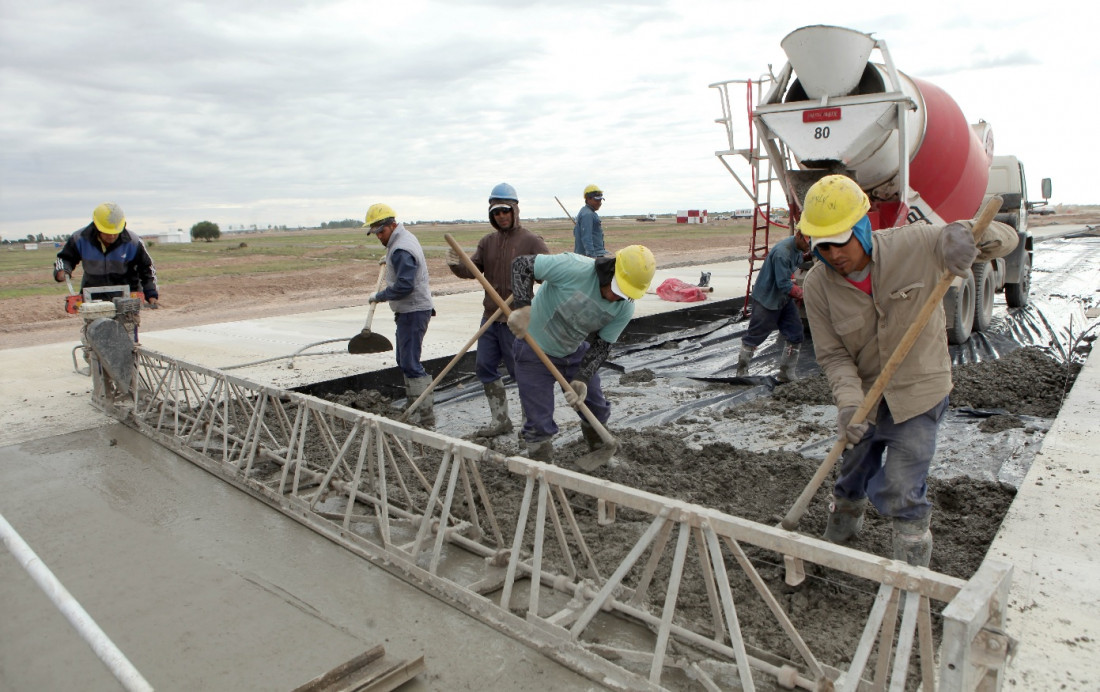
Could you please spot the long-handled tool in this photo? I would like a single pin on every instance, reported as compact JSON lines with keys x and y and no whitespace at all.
{"x":454,"y":361}
{"x":790,"y":522}
{"x":589,"y":461}
{"x":564,"y":209}
{"x":367,"y":341}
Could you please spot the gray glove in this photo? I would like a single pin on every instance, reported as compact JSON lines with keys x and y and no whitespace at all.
{"x":373,"y":299}
{"x":452,"y":258}
{"x":959,"y":250}
{"x":577,"y":393}
{"x":853,"y":433}
{"x":519,"y":321}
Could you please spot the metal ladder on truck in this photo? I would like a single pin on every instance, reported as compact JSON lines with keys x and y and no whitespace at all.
{"x":759,"y":187}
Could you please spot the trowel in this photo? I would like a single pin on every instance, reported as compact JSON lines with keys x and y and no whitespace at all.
{"x":367,"y":341}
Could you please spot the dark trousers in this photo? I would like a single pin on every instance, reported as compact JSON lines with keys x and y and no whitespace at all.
{"x":411,"y":327}
{"x":493,"y":348}
{"x":538,"y":389}
{"x":895,"y":485}
{"x":763,"y":322}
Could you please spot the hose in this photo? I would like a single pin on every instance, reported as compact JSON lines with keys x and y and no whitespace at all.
{"x":290,"y":366}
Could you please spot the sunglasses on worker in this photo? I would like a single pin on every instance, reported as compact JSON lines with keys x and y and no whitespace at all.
{"x":501,"y":210}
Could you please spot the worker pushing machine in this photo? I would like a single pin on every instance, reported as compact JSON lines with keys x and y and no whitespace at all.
{"x":774,"y":306}
{"x":493,"y":257}
{"x":860,"y":300}
{"x":581,"y":309}
{"x":409,"y":295}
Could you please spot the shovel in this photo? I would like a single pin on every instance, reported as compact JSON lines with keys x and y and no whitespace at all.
{"x":592,"y":460}
{"x":367,"y":341}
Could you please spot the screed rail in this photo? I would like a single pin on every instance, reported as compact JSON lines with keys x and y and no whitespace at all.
{"x":510,"y":541}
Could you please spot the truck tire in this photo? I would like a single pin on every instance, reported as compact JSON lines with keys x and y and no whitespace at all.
{"x":1018,"y":295}
{"x":958,"y":304}
{"x":985,"y":288}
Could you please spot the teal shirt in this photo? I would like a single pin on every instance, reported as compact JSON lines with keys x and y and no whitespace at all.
{"x":568,"y":305}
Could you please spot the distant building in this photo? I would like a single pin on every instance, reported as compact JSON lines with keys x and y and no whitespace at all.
{"x":167,"y":237}
{"x":691,"y":216}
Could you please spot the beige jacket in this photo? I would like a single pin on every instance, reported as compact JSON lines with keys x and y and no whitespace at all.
{"x":854,"y":334}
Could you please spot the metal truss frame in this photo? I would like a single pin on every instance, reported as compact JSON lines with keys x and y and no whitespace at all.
{"x":415,"y":502}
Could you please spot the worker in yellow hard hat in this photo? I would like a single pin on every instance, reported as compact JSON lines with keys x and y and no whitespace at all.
{"x":409,"y":296}
{"x":581,"y":308}
{"x":588,"y":229}
{"x":860,"y":300}
{"x":111,"y":254}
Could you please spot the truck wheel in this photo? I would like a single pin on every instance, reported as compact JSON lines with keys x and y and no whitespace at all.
{"x":985,"y":289}
{"x":1018,"y":295}
{"x":958,"y":303}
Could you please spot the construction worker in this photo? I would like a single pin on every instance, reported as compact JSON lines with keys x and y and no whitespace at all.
{"x":112,"y":256}
{"x":861,"y":299}
{"x":493,"y":257}
{"x":409,"y":296}
{"x":774,"y":306}
{"x":581,"y":309}
{"x":588,"y":230}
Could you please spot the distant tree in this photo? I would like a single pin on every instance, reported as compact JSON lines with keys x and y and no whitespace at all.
{"x":206,"y":230}
{"x":346,"y":223}
{"x":30,"y":237}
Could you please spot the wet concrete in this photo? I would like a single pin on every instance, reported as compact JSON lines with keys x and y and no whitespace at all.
{"x":203,"y":587}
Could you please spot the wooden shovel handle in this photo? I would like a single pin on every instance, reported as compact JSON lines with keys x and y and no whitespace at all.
{"x":981,"y":222}
{"x":377,"y":288}
{"x":492,"y":293}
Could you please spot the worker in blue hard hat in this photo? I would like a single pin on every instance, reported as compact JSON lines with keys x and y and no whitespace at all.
{"x":860,"y":300}
{"x":588,"y":229}
{"x":493,"y":257}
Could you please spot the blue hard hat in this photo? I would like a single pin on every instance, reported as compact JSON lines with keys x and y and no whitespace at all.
{"x":504,"y":191}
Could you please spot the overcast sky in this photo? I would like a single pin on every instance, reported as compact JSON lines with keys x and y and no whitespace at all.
{"x":280,"y":112}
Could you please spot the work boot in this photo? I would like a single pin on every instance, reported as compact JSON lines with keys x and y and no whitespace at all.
{"x":913,"y":541}
{"x":845,"y":519}
{"x":787,"y":362}
{"x":591,"y":436}
{"x":424,"y":415}
{"x":500,"y":423}
{"x":543,"y":450}
{"x":743,"y":360}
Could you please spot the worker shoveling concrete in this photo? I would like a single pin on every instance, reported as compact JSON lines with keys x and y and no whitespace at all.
{"x":367,"y":341}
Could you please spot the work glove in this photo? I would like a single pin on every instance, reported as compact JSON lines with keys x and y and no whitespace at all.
{"x":519,"y":321}
{"x":152,"y":304}
{"x":796,"y":292}
{"x":853,"y":433}
{"x":577,"y":392}
{"x":373,"y":299}
{"x":452,"y":258}
{"x":959,"y":250}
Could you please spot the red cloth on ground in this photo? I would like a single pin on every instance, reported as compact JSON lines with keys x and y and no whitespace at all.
{"x":679,"y":292}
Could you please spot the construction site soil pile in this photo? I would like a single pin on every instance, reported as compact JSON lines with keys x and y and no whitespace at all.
{"x":762,"y":486}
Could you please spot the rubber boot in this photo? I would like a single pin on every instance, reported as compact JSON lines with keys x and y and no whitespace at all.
{"x":424,"y":415}
{"x":543,"y":450}
{"x":591,"y":436}
{"x":845,"y":519}
{"x":787,"y":362}
{"x":743,"y":360}
{"x":500,"y":423}
{"x":913,"y":541}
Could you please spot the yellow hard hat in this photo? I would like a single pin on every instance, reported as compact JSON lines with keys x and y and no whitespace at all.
{"x":109,"y":219}
{"x":593,"y":190}
{"x":833,"y":205}
{"x":634,"y":268}
{"x":377,"y":213}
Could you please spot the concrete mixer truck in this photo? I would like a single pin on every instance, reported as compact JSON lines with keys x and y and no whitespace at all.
{"x":830,"y":109}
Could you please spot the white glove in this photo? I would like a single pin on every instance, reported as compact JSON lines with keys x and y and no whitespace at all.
{"x":373,"y":299}
{"x":577,"y":392}
{"x":519,"y":321}
{"x":452,"y":258}
{"x":853,"y":433}
{"x":959,"y":250}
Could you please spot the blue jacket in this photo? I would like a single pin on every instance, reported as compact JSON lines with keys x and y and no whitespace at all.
{"x":588,"y":234}
{"x":773,"y":284}
{"x":123,"y":262}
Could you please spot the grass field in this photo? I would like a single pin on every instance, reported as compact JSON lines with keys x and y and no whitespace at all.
{"x":26,"y":273}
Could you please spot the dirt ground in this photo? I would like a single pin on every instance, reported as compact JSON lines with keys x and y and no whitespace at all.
{"x":41,"y":319}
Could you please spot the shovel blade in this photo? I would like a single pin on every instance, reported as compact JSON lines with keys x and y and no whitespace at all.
{"x":367,"y":341}
{"x":596,"y":459}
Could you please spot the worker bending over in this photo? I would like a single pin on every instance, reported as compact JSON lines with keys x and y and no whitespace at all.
{"x":410,"y":297}
{"x":774,"y":306}
{"x":861,"y":299}
{"x":581,"y":309}
{"x":493,"y":257}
